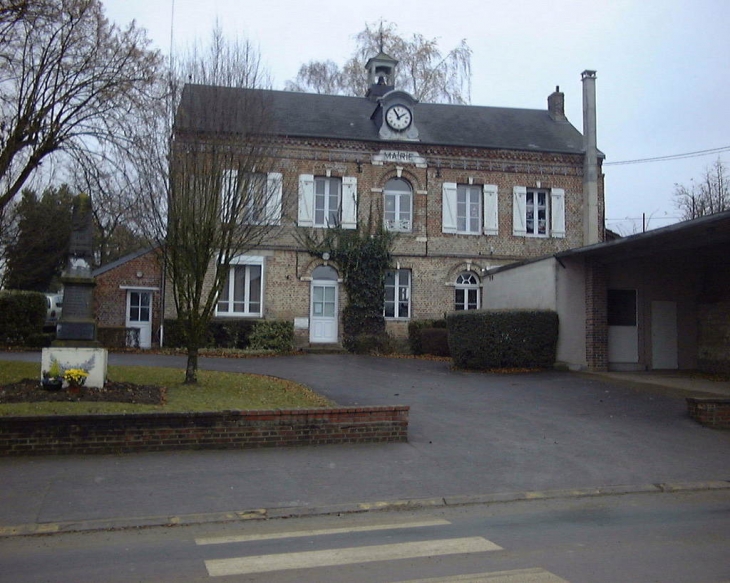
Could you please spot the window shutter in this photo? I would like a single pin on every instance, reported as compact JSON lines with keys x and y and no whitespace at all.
{"x":273,"y":200}
{"x":306,"y":200}
{"x":557,"y":212}
{"x":228,"y":194}
{"x":491,"y":215}
{"x":349,"y":202}
{"x":448,"y":221}
{"x":519,"y":202}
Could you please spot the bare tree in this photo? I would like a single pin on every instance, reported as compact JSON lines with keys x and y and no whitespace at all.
{"x":67,"y":81}
{"x":711,"y":194}
{"x":423,"y":70}
{"x":118,"y":210}
{"x":223,"y":194}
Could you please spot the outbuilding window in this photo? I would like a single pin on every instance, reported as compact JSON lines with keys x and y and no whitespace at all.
{"x":466,"y":292}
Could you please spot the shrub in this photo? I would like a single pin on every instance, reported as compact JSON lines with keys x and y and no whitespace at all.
{"x":415,"y":333}
{"x":221,"y":334}
{"x":231,"y":333}
{"x":360,"y":321}
{"x":435,"y":341}
{"x":272,"y":335}
{"x":22,"y":315}
{"x":42,"y":340}
{"x":369,"y":344}
{"x":503,"y":339}
{"x":173,"y":336}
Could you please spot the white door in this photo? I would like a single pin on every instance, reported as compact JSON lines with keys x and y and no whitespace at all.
{"x":139,"y":315}
{"x":664,"y":335}
{"x":323,"y":312}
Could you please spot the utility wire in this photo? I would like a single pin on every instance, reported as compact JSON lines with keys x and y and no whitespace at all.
{"x":671,"y":157}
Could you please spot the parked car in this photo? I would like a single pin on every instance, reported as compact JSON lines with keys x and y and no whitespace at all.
{"x":54,"y":305}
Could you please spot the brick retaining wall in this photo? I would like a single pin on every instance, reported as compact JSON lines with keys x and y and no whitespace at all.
{"x":85,"y":434}
{"x":710,"y":411}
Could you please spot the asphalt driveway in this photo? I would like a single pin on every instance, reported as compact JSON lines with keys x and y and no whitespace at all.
{"x":470,"y":434}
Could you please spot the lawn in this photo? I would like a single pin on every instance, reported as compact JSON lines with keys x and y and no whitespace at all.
{"x":216,"y":391}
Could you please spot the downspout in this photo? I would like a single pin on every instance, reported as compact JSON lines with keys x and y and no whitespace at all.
{"x":590,"y":162}
{"x":163,"y":302}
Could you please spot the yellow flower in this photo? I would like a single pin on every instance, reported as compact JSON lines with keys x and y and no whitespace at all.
{"x":75,"y":376}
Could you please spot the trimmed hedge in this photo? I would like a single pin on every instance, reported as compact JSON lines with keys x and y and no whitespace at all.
{"x":503,"y":339}
{"x":22,"y":316}
{"x":415,"y":336}
{"x":118,"y":336}
{"x":241,"y":334}
{"x":435,"y":341}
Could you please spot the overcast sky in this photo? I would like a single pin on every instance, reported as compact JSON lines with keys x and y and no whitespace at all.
{"x":662,"y":65}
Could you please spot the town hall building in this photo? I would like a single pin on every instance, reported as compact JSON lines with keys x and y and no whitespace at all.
{"x":466,"y":188}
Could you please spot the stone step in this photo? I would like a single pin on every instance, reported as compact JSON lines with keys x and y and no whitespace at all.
{"x":334,"y":348}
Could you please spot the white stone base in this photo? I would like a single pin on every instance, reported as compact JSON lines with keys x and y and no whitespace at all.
{"x":92,"y":360}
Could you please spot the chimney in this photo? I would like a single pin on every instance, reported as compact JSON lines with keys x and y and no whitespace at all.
{"x":591,"y":227}
{"x":556,"y":105}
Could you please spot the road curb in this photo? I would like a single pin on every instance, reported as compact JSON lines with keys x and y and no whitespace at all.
{"x":353,"y":508}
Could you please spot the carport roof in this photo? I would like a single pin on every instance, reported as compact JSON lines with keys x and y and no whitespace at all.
{"x":694,"y":235}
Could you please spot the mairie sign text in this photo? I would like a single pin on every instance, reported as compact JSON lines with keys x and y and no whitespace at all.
{"x":398,"y":157}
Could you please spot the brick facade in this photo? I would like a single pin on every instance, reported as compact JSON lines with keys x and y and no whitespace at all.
{"x":596,"y":316}
{"x":434,"y":258}
{"x":142,"y":271}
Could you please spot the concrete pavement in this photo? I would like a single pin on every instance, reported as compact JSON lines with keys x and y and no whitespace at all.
{"x":473,"y":436}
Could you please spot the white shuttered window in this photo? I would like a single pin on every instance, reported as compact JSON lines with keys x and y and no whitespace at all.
{"x":326,"y":201}
{"x":538,"y":212}
{"x":470,"y":209}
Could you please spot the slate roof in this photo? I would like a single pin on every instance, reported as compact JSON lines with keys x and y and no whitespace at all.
{"x":121,"y":261}
{"x":205,"y":108}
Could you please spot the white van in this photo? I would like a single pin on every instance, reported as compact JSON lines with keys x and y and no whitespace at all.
{"x":54,"y":304}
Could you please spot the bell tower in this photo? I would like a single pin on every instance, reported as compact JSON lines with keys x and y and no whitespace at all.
{"x":381,"y":75}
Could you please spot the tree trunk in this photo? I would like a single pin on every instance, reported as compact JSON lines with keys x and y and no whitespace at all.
{"x":191,"y":370}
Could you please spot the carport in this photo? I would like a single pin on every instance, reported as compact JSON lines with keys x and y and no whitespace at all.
{"x":658,"y":300}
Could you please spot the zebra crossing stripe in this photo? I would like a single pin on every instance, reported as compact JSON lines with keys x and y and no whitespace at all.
{"x":216,"y":540}
{"x":347,"y":556}
{"x":514,"y":576}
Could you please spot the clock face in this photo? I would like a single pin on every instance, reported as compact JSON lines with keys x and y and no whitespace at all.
{"x":398,"y":117}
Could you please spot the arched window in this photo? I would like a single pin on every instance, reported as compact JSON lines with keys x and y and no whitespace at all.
{"x":324,"y":272}
{"x":398,"y":201}
{"x":466,"y":294}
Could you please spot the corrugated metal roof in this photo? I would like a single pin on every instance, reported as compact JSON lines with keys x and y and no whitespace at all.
{"x":206,"y":108}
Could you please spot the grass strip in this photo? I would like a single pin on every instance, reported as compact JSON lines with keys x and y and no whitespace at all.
{"x":215,"y":391}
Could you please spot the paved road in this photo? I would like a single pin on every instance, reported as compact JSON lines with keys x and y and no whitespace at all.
{"x":682,"y":538}
{"x":470,"y":434}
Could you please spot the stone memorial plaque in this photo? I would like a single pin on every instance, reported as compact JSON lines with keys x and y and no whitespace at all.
{"x":76,"y":331}
{"x":77,"y":302}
